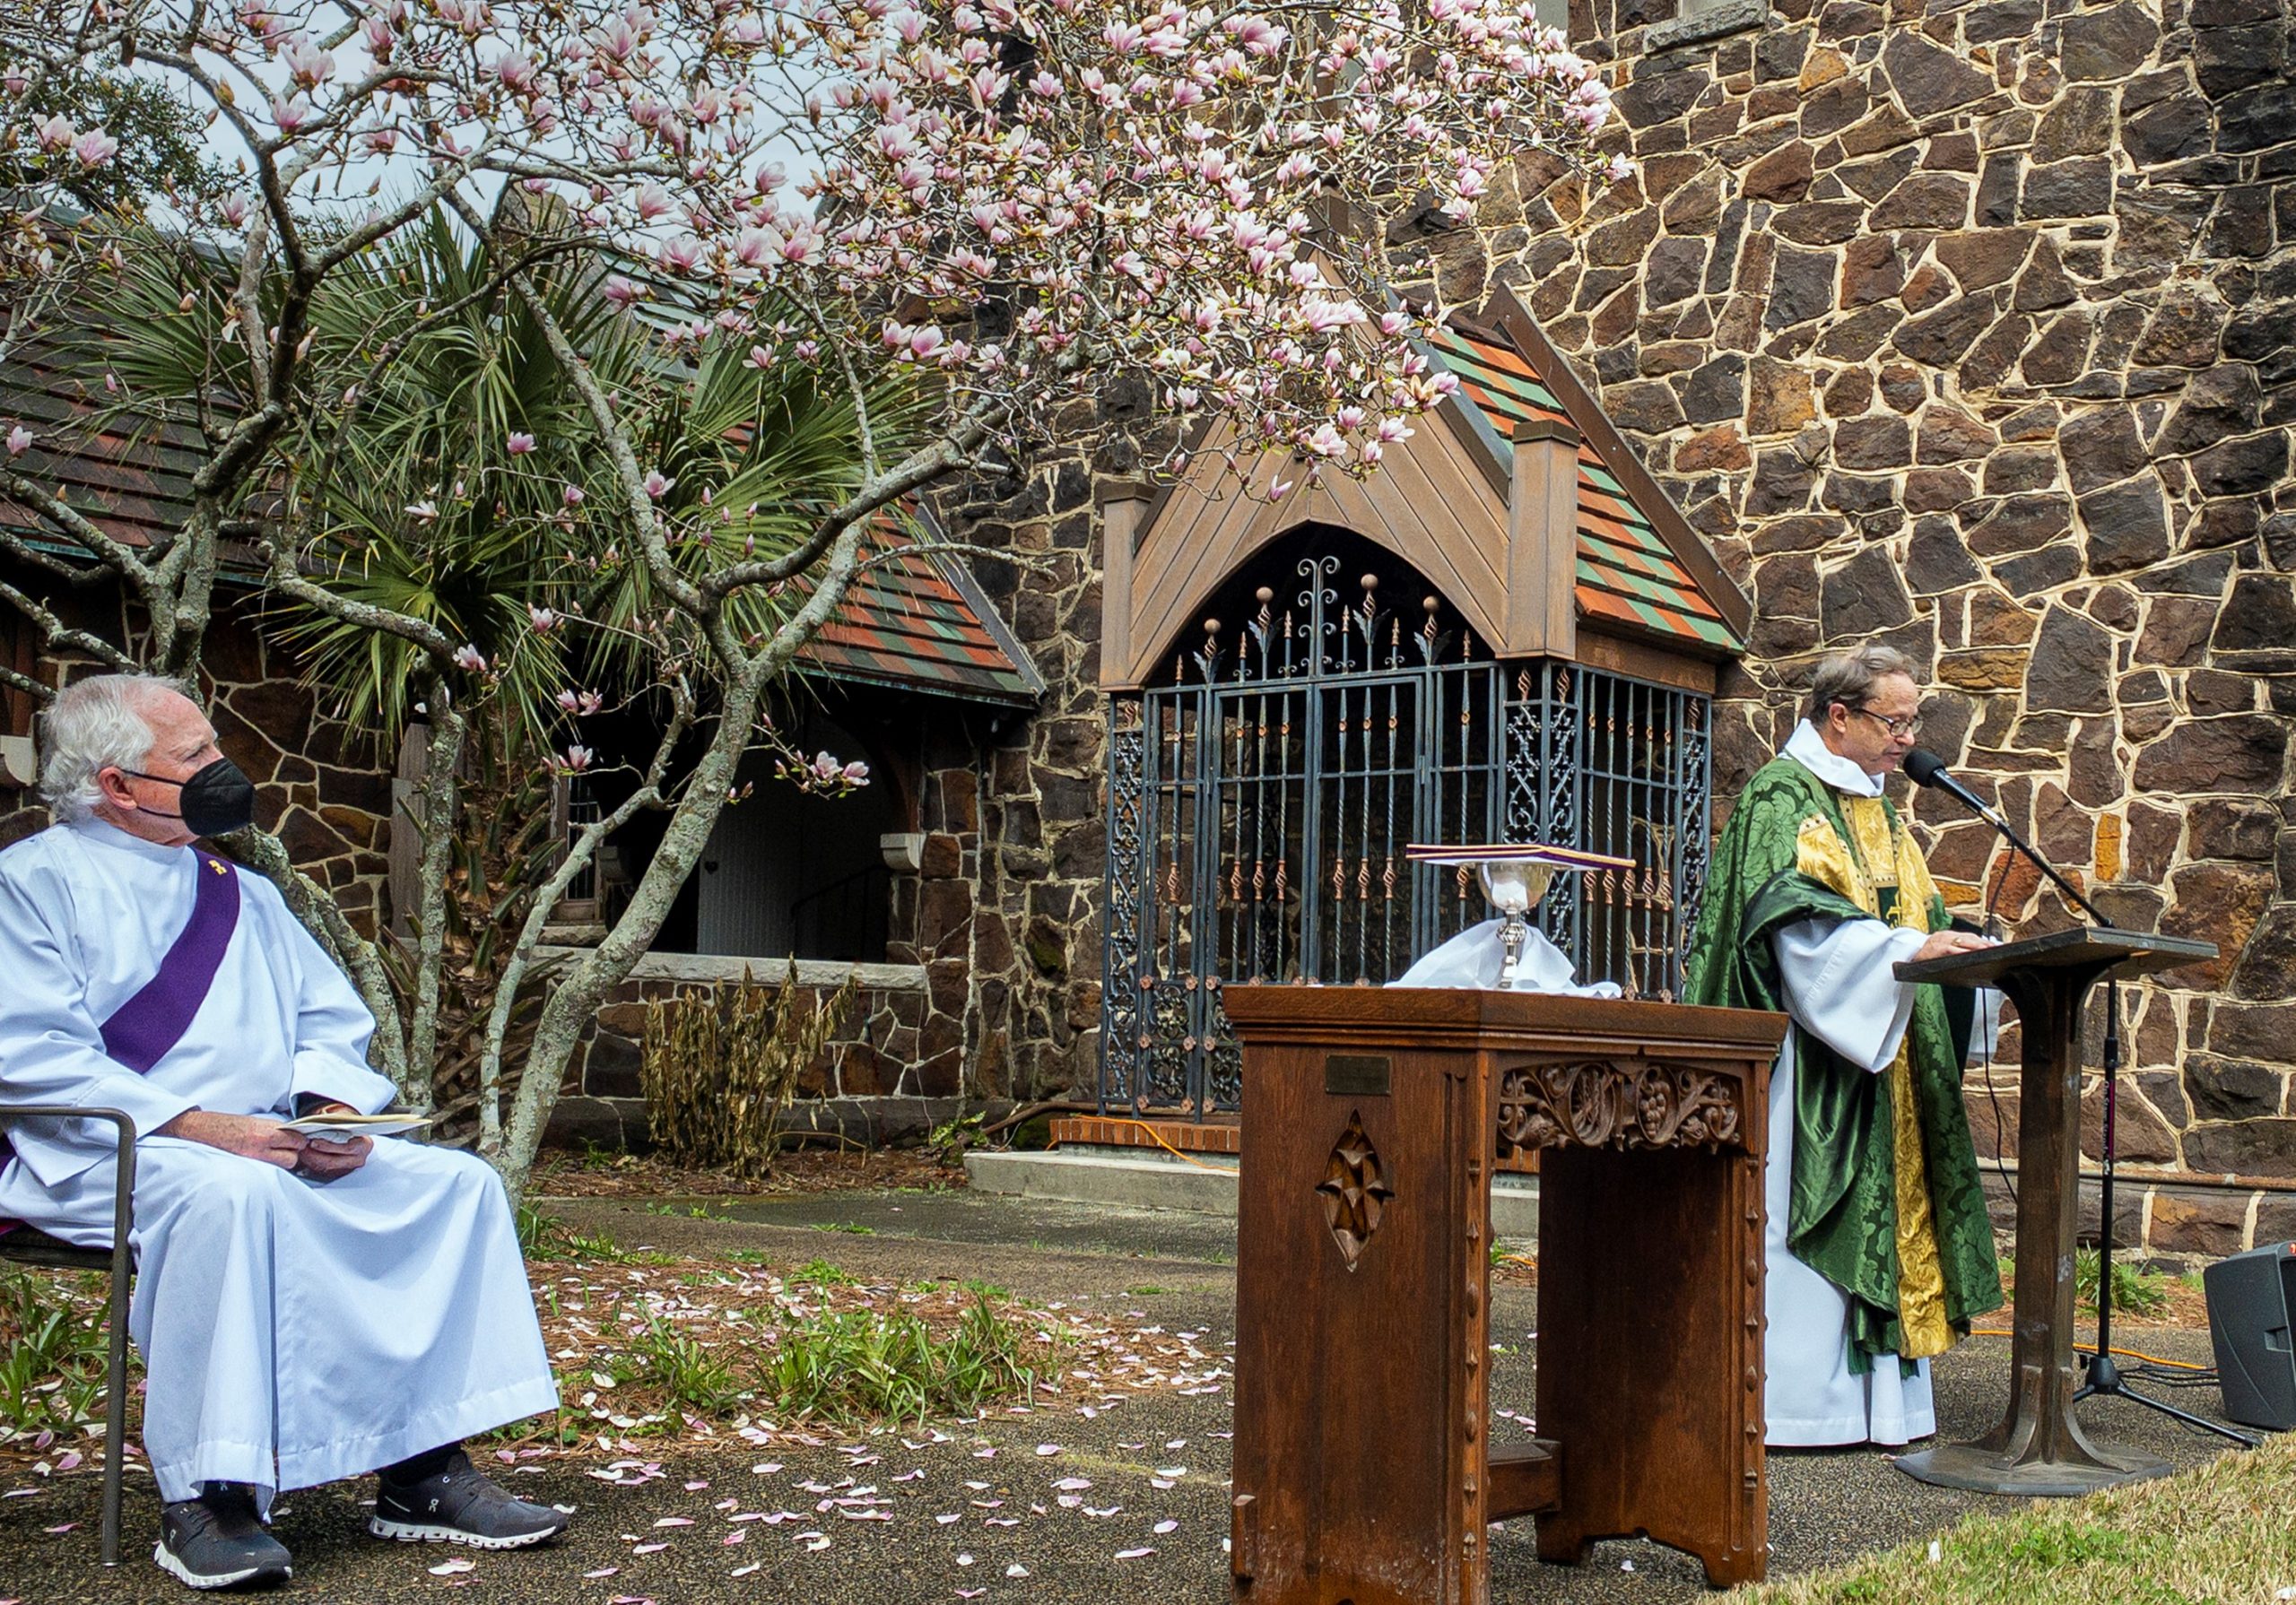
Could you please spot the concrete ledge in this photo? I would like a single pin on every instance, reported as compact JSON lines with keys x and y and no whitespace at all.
{"x":764,"y":972}
{"x":1127,"y":1181}
{"x":1094,"y":1179}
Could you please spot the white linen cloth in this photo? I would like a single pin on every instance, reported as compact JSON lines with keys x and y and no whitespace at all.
{"x":1474,"y":955}
{"x":1841,"y":987}
{"x":294,"y":1331}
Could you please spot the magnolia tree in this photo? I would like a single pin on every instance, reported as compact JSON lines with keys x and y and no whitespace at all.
{"x":1008,"y":206}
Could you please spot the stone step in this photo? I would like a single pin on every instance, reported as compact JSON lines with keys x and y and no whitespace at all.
{"x":1126,"y":1179}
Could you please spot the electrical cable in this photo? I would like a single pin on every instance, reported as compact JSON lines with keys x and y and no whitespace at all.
{"x":2134,"y":1354}
{"x":1158,"y":1139}
{"x":1992,"y":928}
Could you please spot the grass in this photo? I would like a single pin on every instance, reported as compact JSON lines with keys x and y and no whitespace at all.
{"x":1146,"y":1290}
{"x":2221,"y":1531}
{"x":822,"y":1275}
{"x":543,"y":1237}
{"x":847,"y":1226}
{"x":2135,"y":1292}
{"x":849,"y":1366}
{"x":52,"y":1356}
{"x":689,"y":1375}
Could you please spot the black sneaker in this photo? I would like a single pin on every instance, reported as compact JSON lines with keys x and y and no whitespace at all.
{"x":461,"y":1505}
{"x":216,"y":1541}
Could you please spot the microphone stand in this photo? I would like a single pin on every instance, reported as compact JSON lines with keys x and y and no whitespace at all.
{"x":2101,"y":1376}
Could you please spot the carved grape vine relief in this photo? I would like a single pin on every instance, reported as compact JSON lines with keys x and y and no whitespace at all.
{"x":1607,"y":1105}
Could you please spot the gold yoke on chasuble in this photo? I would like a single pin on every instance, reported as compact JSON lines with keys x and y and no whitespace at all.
{"x":1880,"y":871}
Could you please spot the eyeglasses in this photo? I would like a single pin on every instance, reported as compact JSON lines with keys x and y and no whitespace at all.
{"x":1897,"y":728}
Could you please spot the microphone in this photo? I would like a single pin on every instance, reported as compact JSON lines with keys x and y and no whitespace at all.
{"x":1924,"y":768}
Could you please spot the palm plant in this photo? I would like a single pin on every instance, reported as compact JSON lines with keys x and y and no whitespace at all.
{"x":446,"y":473}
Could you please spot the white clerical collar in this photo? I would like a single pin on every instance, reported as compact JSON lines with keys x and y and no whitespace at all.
{"x":103,"y":833}
{"x":1807,"y":748}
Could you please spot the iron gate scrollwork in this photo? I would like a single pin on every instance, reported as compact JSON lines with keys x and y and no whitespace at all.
{"x":1260,"y":802}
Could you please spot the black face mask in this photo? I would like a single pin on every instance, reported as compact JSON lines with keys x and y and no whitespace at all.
{"x":217,"y":800}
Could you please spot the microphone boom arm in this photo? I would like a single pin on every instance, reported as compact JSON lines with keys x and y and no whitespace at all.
{"x":1937,"y":776}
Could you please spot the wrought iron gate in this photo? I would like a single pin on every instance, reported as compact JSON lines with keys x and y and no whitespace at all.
{"x":1259,"y":806}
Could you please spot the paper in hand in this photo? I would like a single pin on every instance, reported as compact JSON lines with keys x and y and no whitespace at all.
{"x":337,"y":1125}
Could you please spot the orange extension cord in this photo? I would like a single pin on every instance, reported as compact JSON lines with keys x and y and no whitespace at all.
{"x":2134,"y":1354}
{"x":1158,"y":1139}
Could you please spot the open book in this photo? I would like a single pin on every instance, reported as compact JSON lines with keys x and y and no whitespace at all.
{"x":337,"y":1125}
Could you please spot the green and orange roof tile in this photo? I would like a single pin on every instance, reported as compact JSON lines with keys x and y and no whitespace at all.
{"x":915,"y":617}
{"x":1627,"y":575}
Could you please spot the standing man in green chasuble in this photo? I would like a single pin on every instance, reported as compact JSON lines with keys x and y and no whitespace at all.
{"x":1880,"y":1252}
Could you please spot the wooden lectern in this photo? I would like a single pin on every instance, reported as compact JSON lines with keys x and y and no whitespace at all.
{"x":2040,"y":1448}
{"x":1364,"y":1473}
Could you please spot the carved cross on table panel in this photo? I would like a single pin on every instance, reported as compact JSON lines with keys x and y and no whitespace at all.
{"x":1611,"y":1106}
{"x":1354,"y":1192}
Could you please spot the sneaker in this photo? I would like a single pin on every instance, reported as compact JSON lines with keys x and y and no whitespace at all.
{"x":461,"y":1505}
{"x":217,"y":1541}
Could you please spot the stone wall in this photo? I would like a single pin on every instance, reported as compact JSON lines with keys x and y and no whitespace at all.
{"x":878,"y":1056}
{"x":319,"y":782}
{"x":1972,"y":328}
{"x":1028,"y":822}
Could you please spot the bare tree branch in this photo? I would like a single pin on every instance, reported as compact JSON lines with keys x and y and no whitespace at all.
{"x":578,"y":857}
{"x":448,"y":731}
{"x":54,"y":633}
{"x":282,"y":578}
{"x":42,"y":694}
{"x":115,"y":555}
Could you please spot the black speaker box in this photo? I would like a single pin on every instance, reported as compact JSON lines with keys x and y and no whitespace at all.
{"x":2251,"y":1304}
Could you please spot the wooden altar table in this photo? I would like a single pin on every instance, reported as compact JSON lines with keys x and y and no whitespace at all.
{"x":1364,"y":1470}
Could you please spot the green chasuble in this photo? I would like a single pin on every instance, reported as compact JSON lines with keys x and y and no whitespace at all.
{"x":1886,"y":1202}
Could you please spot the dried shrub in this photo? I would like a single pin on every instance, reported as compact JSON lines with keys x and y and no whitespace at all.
{"x":720,"y":1068}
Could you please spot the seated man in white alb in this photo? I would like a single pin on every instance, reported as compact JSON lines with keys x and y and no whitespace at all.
{"x":307,"y":1310}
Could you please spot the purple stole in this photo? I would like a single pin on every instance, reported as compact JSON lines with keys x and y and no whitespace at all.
{"x":142,"y":1031}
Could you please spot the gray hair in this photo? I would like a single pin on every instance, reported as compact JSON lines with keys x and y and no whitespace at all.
{"x":1848,"y":677}
{"x":94,"y":724}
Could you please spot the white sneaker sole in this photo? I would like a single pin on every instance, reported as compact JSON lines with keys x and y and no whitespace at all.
{"x":416,"y":1532}
{"x":167,"y":1562}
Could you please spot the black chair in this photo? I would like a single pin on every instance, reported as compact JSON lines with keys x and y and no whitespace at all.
{"x":28,"y":1246}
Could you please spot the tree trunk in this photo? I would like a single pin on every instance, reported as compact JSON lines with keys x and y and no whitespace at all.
{"x":574,"y":1001}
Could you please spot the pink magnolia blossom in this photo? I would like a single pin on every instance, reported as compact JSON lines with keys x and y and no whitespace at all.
{"x":575,"y":758}
{"x":573,"y":496}
{"x":307,"y":63}
{"x":290,"y":113}
{"x":469,"y":659}
{"x":1152,"y":185}
{"x":519,"y":444}
{"x":20,"y":440}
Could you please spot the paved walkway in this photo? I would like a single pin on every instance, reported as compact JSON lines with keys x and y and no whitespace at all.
{"x":1177,"y":1272}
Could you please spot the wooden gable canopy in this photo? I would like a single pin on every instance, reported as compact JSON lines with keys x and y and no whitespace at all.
{"x":1516,"y":498}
